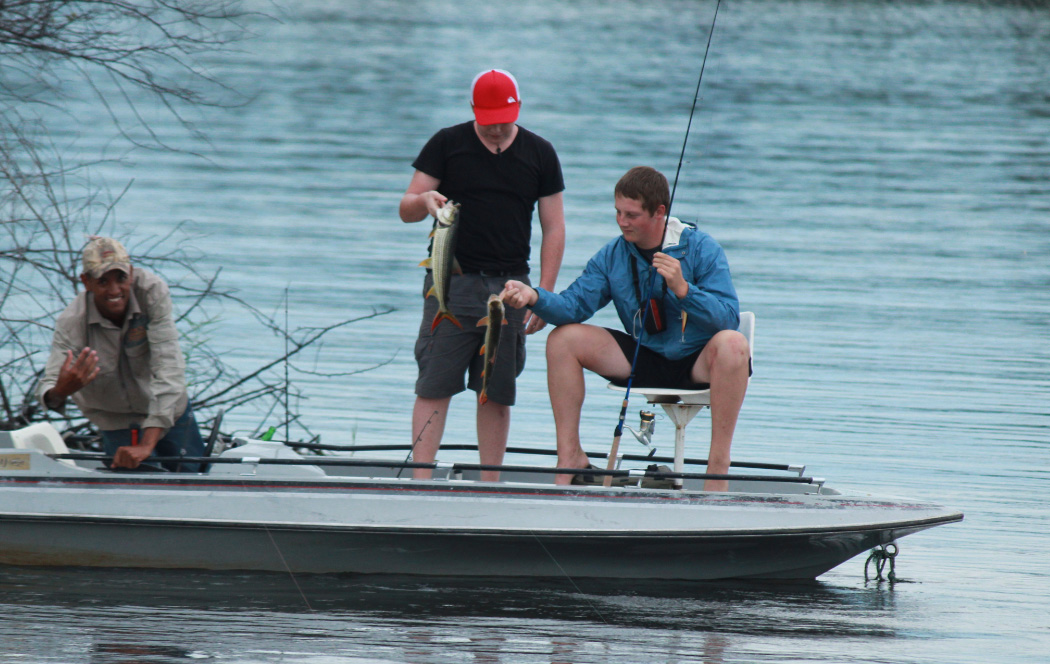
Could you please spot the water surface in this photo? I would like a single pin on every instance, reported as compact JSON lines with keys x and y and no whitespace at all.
{"x":879,"y":175}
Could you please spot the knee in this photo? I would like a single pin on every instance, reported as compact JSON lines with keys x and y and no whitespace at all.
{"x":562,"y":341}
{"x":731,"y":350}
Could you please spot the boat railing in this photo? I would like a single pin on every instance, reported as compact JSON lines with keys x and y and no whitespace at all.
{"x":456,"y":471}
{"x":799,"y":469}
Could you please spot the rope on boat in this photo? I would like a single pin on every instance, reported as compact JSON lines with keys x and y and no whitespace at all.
{"x":879,"y":557}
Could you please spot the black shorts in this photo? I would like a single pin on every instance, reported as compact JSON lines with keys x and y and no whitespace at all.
{"x":655,"y":370}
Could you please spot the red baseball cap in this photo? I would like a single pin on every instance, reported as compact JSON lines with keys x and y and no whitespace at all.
{"x":495,"y":97}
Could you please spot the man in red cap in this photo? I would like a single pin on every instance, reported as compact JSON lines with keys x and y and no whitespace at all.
{"x":498,"y":172}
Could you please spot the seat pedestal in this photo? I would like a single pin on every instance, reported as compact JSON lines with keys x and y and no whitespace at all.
{"x":681,"y":414}
{"x":681,"y":407}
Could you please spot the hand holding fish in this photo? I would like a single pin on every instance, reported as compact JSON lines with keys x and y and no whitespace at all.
{"x":421,"y":198}
{"x":434,"y":200}
{"x":671,"y":270}
{"x":518,"y":294}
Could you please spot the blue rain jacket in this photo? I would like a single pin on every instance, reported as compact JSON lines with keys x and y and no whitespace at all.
{"x":711,"y":303}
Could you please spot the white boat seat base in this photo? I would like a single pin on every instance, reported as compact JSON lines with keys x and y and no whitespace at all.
{"x":681,"y":405}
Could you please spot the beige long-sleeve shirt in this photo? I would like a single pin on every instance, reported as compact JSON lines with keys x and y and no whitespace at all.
{"x":142,"y":373}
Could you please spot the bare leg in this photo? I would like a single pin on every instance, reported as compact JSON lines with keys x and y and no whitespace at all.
{"x":724,"y":364}
{"x":493,"y":421}
{"x":428,"y":425}
{"x":570,"y":350}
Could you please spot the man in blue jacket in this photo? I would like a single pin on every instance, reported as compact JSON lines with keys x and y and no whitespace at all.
{"x":690,"y":337}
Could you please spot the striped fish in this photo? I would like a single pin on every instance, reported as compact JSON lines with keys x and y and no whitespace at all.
{"x":442,"y":261}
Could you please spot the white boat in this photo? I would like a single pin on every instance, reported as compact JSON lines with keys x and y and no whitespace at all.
{"x":263,"y":506}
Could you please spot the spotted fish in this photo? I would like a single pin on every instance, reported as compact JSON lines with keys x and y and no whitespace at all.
{"x":493,"y":324}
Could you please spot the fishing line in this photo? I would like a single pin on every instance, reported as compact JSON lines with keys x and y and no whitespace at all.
{"x":287,"y":412}
{"x":287,"y":568}
{"x":562,"y":570}
{"x":692,"y":111}
{"x":652,"y":281}
{"x":412,"y":449}
{"x":284,"y":561}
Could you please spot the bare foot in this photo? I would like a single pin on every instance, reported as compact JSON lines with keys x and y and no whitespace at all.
{"x":565,"y":480}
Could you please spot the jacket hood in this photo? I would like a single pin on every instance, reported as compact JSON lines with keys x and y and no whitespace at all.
{"x":675,"y":228}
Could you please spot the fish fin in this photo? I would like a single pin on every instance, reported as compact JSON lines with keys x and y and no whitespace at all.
{"x":483,"y":398}
{"x":444,"y":315}
{"x":429,"y":293}
{"x":482,"y":352}
{"x":456,"y":269}
{"x":425,"y":262}
{"x":483,"y":322}
{"x":506,"y":322}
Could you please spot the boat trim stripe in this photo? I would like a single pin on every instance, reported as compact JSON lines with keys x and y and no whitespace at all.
{"x":431,"y":531}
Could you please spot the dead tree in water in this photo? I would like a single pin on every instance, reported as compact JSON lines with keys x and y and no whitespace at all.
{"x":41,"y":236}
{"x":127,"y":52}
{"x":123,"y":56}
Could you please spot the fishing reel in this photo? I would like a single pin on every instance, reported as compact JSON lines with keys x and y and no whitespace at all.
{"x":646,"y":426}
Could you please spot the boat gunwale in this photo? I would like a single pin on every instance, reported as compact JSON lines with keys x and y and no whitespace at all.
{"x":175,"y":482}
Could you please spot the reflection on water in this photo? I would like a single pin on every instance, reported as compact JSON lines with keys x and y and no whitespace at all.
{"x":134,"y":653}
{"x":151,"y":616}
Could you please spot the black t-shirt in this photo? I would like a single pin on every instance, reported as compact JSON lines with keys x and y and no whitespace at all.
{"x":497,"y":193}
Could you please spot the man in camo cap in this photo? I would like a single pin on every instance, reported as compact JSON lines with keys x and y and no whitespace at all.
{"x":116,"y":353}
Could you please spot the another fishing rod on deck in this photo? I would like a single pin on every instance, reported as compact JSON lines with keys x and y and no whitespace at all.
{"x":618,"y":432}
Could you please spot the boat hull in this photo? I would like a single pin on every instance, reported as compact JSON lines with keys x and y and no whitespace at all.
{"x":668,"y":556}
{"x":314,"y":523}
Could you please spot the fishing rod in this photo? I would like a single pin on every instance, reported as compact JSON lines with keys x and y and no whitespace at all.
{"x":618,"y":432}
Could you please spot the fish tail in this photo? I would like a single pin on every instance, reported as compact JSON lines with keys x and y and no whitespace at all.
{"x":444,"y":315}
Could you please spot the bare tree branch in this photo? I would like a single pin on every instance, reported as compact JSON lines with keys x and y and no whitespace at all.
{"x":120,"y":52}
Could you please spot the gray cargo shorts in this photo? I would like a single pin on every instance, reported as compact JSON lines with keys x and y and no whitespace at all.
{"x":448,"y":353}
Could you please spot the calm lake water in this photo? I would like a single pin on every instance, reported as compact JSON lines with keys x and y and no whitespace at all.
{"x":879,"y":175}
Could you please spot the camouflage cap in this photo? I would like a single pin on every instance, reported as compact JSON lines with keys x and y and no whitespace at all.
{"x":103,"y":254}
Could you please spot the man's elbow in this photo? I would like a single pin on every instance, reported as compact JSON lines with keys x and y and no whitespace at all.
{"x":404,"y":211}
